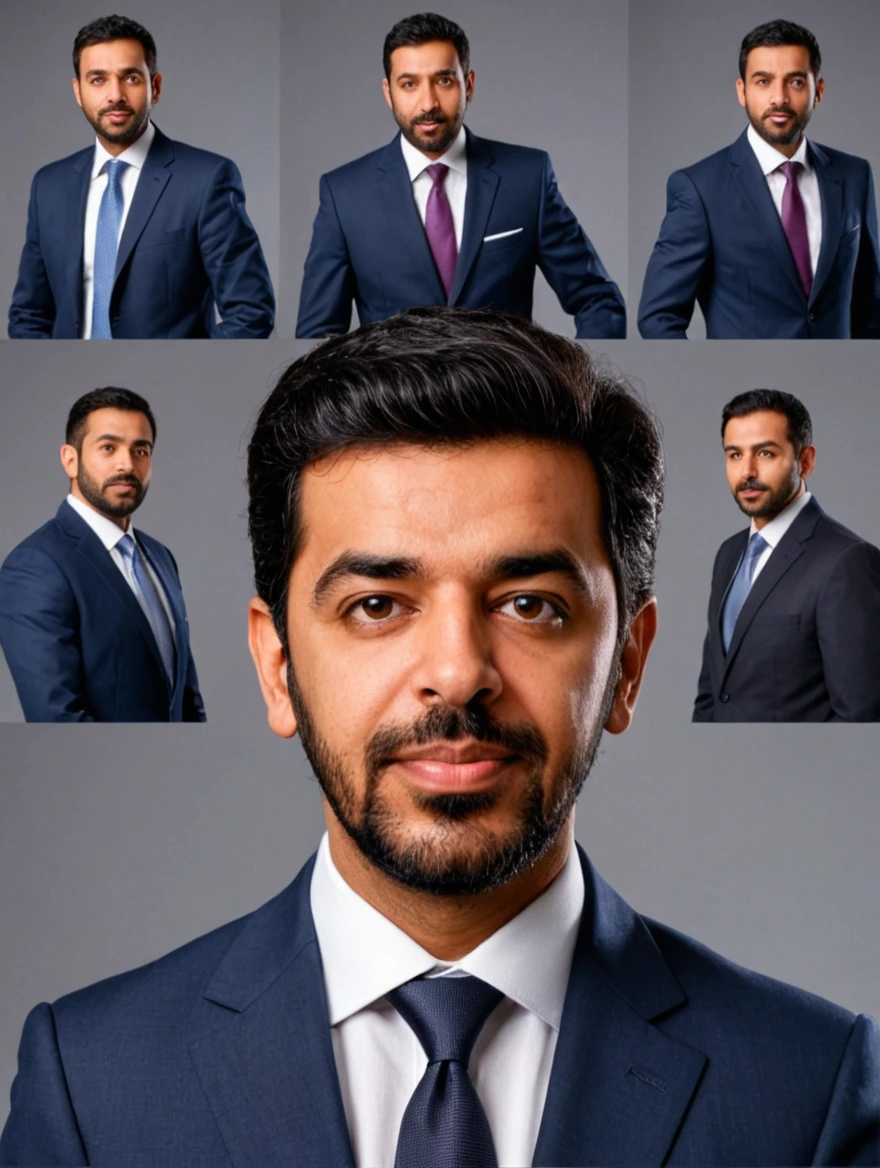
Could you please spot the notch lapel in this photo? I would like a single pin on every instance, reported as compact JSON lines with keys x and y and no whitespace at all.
{"x":160,"y":563}
{"x":73,"y":225}
{"x":261,"y":1044}
{"x":152,"y":182}
{"x":408,"y":240}
{"x":731,"y":563}
{"x":831,"y":196}
{"x":619,"y":1087}
{"x":482,"y":185}
{"x":752,"y":184}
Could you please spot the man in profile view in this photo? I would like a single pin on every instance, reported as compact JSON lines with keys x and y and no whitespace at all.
{"x":455,"y":600}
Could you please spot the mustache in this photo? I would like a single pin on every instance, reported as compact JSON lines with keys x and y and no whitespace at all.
{"x":780,"y":109}
{"x":751,"y":485}
{"x":117,"y":109}
{"x":440,"y":724}
{"x":429,"y":118}
{"x":130,"y":480}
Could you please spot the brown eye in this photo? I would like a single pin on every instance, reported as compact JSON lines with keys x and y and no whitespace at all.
{"x":528,"y":606}
{"x":377,"y":607}
{"x":533,"y":610}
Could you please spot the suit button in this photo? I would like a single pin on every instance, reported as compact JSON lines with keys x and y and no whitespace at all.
{"x":725,"y":697}
{"x":811,"y":316}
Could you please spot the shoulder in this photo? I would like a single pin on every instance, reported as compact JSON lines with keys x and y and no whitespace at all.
{"x":192,"y":158}
{"x":360,"y":167}
{"x":707,"y":169}
{"x":841,"y":160}
{"x":45,"y":541}
{"x":734,"y":543}
{"x":506,"y":152}
{"x":56,"y":171}
{"x":832,"y":534}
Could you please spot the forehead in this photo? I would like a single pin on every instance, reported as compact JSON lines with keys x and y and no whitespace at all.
{"x":778,"y":59}
{"x":131,"y":425}
{"x":752,"y":429}
{"x":111,"y":56}
{"x":451,"y":507}
{"x":432,"y":57}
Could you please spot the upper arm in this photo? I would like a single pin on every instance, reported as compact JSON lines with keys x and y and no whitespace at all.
{"x":848,"y":627}
{"x":851,"y":1131}
{"x":328,"y":285}
{"x":865,"y":322}
{"x":677,"y":264}
{"x":32,"y":311}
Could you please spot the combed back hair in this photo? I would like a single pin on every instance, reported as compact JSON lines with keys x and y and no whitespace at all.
{"x":114,"y":28}
{"x":780,"y":32}
{"x":421,"y":29}
{"x":800,"y":427}
{"x":111,"y":398}
{"x":436,"y":377}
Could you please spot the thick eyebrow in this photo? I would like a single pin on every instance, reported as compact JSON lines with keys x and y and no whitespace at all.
{"x":119,"y":72}
{"x":364,"y":564}
{"x":794,"y":73}
{"x":117,"y":438}
{"x":525,"y":565}
{"x":754,"y":446}
{"x":415,"y":76}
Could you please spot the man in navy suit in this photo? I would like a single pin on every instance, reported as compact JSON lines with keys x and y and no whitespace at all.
{"x":794,"y":612}
{"x":454,"y":601}
{"x":440,"y":216}
{"x":773,"y":236}
{"x":92,"y":619}
{"x":137,"y":236}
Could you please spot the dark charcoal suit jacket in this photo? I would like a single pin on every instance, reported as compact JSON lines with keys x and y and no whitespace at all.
{"x":806,"y":646}
{"x":76,"y":640}
{"x":220,"y":1054}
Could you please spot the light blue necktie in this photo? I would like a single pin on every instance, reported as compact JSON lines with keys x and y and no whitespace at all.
{"x":106,"y":244}
{"x":740,"y":586}
{"x":149,"y":600}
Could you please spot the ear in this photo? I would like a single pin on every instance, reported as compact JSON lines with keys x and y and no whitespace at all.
{"x":806,"y":461}
{"x":469,"y":86}
{"x":69,"y":460}
{"x":271,"y":662}
{"x":156,"y":85}
{"x":820,"y":90}
{"x":386,"y":89}
{"x":76,"y":92}
{"x":632,"y":667}
{"x":741,"y":92}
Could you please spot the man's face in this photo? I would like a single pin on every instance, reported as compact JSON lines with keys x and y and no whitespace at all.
{"x":763,"y":471}
{"x":452,"y":621}
{"x":111,"y":472}
{"x":115,"y":92}
{"x":428,"y":95}
{"x":779,"y":93}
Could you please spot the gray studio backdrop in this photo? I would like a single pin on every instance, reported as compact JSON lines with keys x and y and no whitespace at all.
{"x":220,"y":64}
{"x":552,"y":76}
{"x":683,"y":68}
{"x":118,"y":843}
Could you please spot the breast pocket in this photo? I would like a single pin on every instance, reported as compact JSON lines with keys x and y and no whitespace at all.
{"x":499,"y":241}
{"x":161,"y":239}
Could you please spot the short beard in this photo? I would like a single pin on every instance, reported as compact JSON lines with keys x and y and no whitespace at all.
{"x":439,"y":864}
{"x":93,"y":493}
{"x":440,"y":144}
{"x":781,"y":137}
{"x":776,"y":501}
{"x":123,"y":135}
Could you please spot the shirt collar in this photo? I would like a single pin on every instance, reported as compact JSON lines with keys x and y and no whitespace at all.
{"x":773,"y":531}
{"x":365,"y":955}
{"x":770,"y":159}
{"x":105,"y":529}
{"x":135,"y":155}
{"x":455,"y":157}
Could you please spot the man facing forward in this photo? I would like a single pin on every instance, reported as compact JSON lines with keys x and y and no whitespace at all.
{"x":440,"y":216}
{"x":454,"y":519}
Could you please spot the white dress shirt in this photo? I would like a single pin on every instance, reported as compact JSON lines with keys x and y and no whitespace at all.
{"x":773,"y":531}
{"x":379,"y":1060}
{"x":135,"y":156}
{"x":769,"y":160}
{"x":109,"y":533}
{"x":455,"y":183}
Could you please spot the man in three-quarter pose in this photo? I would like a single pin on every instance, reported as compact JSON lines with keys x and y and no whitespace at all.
{"x":455,"y":600}
{"x":136,"y":236}
{"x":774,"y":236}
{"x":440,"y":216}
{"x":92,"y":619}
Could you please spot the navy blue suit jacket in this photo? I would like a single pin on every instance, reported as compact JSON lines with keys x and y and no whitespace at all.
{"x":369,"y":245}
{"x":187,"y":245}
{"x":220,"y":1054}
{"x":722,"y":245}
{"x":806,"y":646}
{"x":76,"y":640}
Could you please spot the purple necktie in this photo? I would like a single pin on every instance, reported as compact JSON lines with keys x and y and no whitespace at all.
{"x":794,"y":224}
{"x":439,"y":227}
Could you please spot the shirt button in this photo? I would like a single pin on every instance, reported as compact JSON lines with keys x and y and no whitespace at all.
{"x":725,"y":697}
{"x":811,"y":316}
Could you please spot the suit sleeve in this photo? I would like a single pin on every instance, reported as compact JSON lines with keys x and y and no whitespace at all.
{"x":328,"y":285}
{"x":573,"y":268}
{"x":41,"y":1128}
{"x":233,"y":259}
{"x":32,"y":312}
{"x":193,"y":708}
{"x":848,"y":626}
{"x":851,"y":1132}
{"x":865,"y":317}
{"x":39,"y":631}
{"x":678,"y":263}
{"x":704,"y":703}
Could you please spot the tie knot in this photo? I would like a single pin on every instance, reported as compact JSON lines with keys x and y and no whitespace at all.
{"x":127,"y":547}
{"x":446,"y":1013}
{"x":438,"y":173}
{"x":791,"y":170}
{"x":113,"y":168}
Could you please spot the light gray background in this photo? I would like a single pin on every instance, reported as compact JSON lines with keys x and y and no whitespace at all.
{"x":683,"y":68}
{"x":118,"y":843}
{"x":551,"y":76}
{"x":220,"y":63}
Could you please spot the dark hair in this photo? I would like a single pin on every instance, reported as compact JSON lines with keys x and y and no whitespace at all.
{"x":420,"y":30}
{"x":800,"y":428}
{"x":776,"y":33}
{"x":114,"y":28}
{"x":450,"y":376}
{"x":102,"y":399}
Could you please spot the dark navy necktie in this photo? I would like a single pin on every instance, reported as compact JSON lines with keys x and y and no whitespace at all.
{"x":106,"y":245}
{"x":444,"y":1125}
{"x":740,"y":586}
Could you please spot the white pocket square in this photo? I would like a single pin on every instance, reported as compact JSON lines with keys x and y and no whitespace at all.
{"x":501,"y":235}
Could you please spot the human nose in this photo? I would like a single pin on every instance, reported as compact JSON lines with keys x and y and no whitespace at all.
{"x":455,"y":663}
{"x":113,"y":90}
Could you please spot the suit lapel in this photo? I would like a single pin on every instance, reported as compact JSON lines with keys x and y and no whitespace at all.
{"x":482,"y":183}
{"x":619,"y":1087}
{"x":261,"y":1044}
{"x":73,"y":223}
{"x":753,"y":186}
{"x":727,"y":574}
{"x":831,"y":196}
{"x":394,"y":193}
{"x":158,"y":558}
{"x":152,"y":182}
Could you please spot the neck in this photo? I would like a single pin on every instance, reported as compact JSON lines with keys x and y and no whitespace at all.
{"x":763,"y":520}
{"x":122,"y":521}
{"x":447,"y":927}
